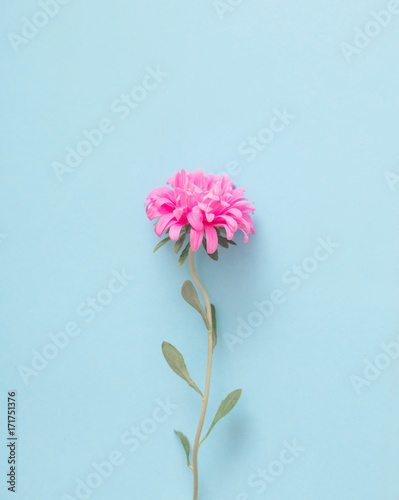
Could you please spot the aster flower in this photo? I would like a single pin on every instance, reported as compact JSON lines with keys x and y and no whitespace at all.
{"x":204,"y":205}
{"x":210,"y":209}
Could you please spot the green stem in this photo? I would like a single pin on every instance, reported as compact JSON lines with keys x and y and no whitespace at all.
{"x":208,"y":375}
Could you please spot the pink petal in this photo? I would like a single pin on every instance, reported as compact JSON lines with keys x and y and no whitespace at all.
{"x":196,"y":238}
{"x":229,"y":232}
{"x":235,"y":213}
{"x":164,"y":201}
{"x":153,"y":213}
{"x":231,"y":222}
{"x":174,"y":231}
{"x":195,"y":220}
{"x":163,"y":223}
{"x":178,"y":212}
{"x":211,"y":239}
{"x":209,"y":216}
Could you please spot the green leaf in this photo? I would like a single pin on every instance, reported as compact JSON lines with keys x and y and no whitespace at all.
{"x":214,"y":327}
{"x":190,"y":295}
{"x":184,"y":255}
{"x":223,"y":242}
{"x":179,"y":243}
{"x":176,"y":361}
{"x":225,"y":407}
{"x":214,"y":256}
{"x":161,"y":243}
{"x":186,"y":445}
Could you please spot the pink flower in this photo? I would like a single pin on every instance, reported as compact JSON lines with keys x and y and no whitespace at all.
{"x":200,"y":203}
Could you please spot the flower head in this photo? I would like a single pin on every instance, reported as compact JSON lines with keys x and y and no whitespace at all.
{"x":203,"y":205}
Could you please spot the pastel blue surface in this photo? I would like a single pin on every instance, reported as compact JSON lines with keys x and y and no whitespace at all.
{"x":298,"y":101}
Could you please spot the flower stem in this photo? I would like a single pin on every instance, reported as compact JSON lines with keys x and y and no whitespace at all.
{"x":208,"y":375}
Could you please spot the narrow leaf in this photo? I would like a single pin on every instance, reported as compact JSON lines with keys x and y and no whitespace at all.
{"x":190,"y":295}
{"x":186,"y":445}
{"x":225,"y":407}
{"x":176,"y":361}
{"x":184,"y":255}
{"x":223,"y":242}
{"x":179,"y":243}
{"x":161,"y":243}
{"x":214,"y":327}
{"x":214,"y":256}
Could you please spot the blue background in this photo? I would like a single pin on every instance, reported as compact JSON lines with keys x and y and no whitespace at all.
{"x":324,"y":175}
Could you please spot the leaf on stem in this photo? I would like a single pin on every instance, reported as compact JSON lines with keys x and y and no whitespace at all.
{"x":161,"y":243}
{"x":190,"y":295}
{"x":176,"y":361}
{"x":184,"y":255}
{"x":223,"y":242}
{"x":186,"y":445}
{"x":214,"y":327}
{"x":222,"y":238}
{"x":179,"y":243}
{"x":225,"y":407}
{"x":214,"y":255}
